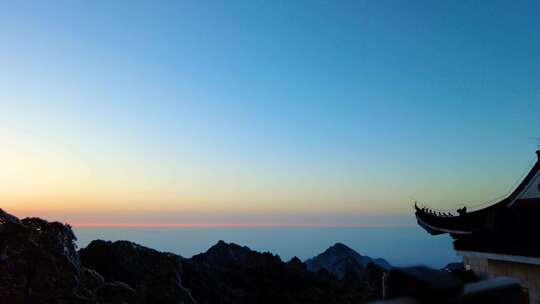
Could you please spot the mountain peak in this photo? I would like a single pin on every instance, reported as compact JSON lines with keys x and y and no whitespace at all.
{"x":340,"y":259}
{"x":224,"y":253}
{"x":340,"y":247}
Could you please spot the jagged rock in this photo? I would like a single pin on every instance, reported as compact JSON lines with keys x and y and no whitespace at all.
{"x":155,"y":276}
{"x":223,"y":254}
{"x":90,"y":279}
{"x":116,"y":293}
{"x":229,"y":273}
{"x":39,"y":264}
{"x":8,"y":218}
{"x":296,"y":263}
{"x":340,"y":259}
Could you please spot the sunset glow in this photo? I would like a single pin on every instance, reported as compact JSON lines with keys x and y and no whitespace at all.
{"x":259,"y":114}
{"x":229,"y":225}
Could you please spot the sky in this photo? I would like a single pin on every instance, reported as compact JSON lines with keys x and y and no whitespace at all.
{"x":264,"y":112}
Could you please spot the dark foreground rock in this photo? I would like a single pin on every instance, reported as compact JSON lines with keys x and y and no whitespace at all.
{"x":156,"y":276}
{"x":459,"y":271}
{"x":116,"y":292}
{"x":39,"y":264}
{"x":422,"y":285}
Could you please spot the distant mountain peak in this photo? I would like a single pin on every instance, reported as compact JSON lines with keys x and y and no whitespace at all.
{"x":339,"y":259}
{"x":295,"y":260}
{"x":221,"y":245}
{"x":224,"y":253}
{"x":341,"y":248}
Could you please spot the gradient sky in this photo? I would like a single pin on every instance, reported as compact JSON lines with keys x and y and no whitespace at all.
{"x":263,"y":112}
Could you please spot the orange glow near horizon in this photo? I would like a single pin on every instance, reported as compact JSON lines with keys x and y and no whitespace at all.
{"x":231,"y":219}
{"x":233,"y":225}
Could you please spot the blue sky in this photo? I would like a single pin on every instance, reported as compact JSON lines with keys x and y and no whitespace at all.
{"x":310,"y":110}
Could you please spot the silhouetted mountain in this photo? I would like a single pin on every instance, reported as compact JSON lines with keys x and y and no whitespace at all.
{"x":39,"y":263}
{"x":223,"y":254}
{"x":340,"y":259}
{"x":156,"y":276}
{"x":229,"y":273}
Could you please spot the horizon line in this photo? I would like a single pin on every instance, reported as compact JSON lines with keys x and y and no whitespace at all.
{"x":233,"y":225}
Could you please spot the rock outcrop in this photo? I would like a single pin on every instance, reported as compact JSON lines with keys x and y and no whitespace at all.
{"x":39,"y":264}
{"x":155,"y":276}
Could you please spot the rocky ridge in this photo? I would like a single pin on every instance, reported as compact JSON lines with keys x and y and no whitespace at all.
{"x":39,"y":263}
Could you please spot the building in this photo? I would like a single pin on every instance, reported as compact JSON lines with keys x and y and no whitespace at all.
{"x":500,"y":240}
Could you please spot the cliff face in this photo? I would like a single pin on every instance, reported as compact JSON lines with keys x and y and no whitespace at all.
{"x":39,"y":264}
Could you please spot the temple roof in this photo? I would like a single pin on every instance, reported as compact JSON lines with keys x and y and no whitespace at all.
{"x":514,"y":212}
